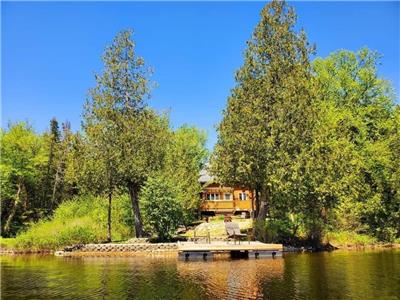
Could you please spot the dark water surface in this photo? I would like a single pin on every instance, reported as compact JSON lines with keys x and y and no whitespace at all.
{"x":336,"y":275}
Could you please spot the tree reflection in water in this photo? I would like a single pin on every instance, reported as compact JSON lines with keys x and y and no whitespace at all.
{"x":337,"y":275}
{"x":233,"y":279}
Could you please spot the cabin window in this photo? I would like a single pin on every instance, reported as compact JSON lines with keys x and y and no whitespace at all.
{"x":213,"y":196}
{"x":228,"y":196}
{"x":243,"y":196}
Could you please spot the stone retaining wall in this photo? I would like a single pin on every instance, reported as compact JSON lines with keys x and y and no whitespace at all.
{"x":144,"y":247}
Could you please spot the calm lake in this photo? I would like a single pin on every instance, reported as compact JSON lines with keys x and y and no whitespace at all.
{"x":336,"y":275}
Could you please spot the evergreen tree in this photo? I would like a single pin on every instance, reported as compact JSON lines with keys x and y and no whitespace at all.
{"x":128,"y":136}
{"x":53,"y":140}
{"x":267,"y":119}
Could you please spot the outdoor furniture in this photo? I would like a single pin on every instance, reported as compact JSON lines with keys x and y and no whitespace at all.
{"x":197,"y":236}
{"x":233,"y":231}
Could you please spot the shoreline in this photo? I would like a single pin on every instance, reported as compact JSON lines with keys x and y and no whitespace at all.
{"x":167,"y":249}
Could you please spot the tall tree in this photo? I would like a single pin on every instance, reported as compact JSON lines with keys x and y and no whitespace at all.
{"x":266,"y":121}
{"x":121,"y":126}
{"x":52,"y":142}
{"x":186,"y":157}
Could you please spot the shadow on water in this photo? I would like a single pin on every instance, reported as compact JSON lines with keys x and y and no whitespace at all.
{"x":336,"y":275}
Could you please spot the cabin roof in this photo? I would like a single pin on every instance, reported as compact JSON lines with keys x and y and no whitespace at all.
{"x":205,"y":177}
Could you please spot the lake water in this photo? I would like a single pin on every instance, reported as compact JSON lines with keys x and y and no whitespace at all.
{"x":335,"y":275}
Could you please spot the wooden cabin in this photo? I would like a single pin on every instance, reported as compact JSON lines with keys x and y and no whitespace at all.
{"x":219,"y":199}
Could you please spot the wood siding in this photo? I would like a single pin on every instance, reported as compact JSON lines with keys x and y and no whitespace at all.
{"x":226,"y":206}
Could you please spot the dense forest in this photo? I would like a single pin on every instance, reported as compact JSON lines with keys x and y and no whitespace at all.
{"x":317,"y":139}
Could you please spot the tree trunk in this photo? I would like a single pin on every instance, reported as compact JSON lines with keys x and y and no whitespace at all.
{"x":46,"y":181}
{"x":257,"y":196}
{"x":109,"y":217}
{"x":133,"y":193}
{"x":53,"y":194}
{"x":13,"y":210}
{"x":263,"y":210}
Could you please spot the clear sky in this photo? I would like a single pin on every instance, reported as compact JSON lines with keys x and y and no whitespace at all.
{"x":50,"y":51}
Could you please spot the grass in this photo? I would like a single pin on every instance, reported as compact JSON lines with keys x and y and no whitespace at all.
{"x":7,"y":243}
{"x":83,"y":220}
{"x":349,"y":239}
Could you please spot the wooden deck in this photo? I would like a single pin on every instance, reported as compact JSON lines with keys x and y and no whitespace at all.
{"x":231,"y":246}
{"x":191,"y":250}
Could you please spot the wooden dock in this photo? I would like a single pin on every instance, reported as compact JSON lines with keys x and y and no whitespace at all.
{"x":191,"y":250}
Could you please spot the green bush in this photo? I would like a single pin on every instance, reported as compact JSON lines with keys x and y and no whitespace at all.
{"x":346,"y":238}
{"x":82,"y":220}
{"x":161,"y":207}
{"x":274,"y":230}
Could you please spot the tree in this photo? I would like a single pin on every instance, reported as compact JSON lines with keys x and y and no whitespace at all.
{"x":55,"y":188}
{"x":185,"y":159}
{"x":23,"y":159}
{"x":52,"y":142}
{"x":358,"y":151}
{"x":119,"y":124}
{"x":98,"y":174}
{"x":267,"y":119}
{"x":161,"y":207}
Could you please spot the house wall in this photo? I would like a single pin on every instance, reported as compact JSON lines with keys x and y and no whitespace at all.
{"x":226,"y":206}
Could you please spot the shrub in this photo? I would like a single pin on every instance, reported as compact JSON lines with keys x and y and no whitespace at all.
{"x":161,"y":208}
{"x":349,"y":238}
{"x":274,"y":230}
{"x":82,"y":220}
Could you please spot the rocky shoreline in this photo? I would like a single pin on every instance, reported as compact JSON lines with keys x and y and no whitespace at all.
{"x":143,"y":247}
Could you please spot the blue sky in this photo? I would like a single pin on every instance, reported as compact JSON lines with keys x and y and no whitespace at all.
{"x":50,"y":51}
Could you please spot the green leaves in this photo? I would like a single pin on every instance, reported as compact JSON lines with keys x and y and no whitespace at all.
{"x":161,"y":207}
{"x":185,"y":158}
{"x":267,"y":119}
{"x":23,"y":158}
{"x":360,"y":108}
{"x":312,"y":138}
{"x":126,"y":140}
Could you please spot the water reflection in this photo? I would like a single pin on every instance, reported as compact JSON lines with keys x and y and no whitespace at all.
{"x":338,"y":275}
{"x":235,"y":279}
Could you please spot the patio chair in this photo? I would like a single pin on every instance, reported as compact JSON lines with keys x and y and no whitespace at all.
{"x":197,"y":236}
{"x":233,"y":231}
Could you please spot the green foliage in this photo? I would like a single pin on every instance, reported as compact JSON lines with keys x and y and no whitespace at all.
{"x":275,"y":230}
{"x":354,"y":147}
{"x":33,"y":168}
{"x":23,"y":158}
{"x":127,"y":140}
{"x":344,"y":238}
{"x":185,"y":158}
{"x":81,"y":220}
{"x":319,"y":140}
{"x":267,"y":120}
{"x":161,"y":206}
{"x":7,"y":243}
